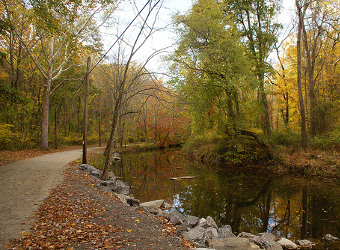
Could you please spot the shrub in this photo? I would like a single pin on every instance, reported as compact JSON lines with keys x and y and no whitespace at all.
{"x":286,"y":138}
{"x":223,"y":149}
{"x":327,"y":141}
{"x":73,"y":139}
{"x":10,"y":140}
{"x":97,"y":161}
{"x":7,"y":138}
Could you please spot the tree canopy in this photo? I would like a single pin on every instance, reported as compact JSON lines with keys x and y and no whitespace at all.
{"x":232,"y":74}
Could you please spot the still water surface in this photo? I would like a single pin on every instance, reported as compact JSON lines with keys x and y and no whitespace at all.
{"x":248,"y":199}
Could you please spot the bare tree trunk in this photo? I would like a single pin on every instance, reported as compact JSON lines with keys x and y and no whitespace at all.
{"x":99,"y":124}
{"x":266,"y":126}
{"x":45,"y":114}
{"x":301,"y":12}
{"x":109,"y":146}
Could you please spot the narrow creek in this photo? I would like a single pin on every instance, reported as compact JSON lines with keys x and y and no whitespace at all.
{"x":248,"y":199}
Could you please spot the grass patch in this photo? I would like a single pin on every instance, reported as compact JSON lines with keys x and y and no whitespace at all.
{"x":96,"y":160}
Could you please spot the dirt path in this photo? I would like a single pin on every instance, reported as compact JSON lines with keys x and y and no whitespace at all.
{"x":24,"y":185}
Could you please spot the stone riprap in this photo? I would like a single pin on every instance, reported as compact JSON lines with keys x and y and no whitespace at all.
{"x":112,"y":184}
{"x":203,"y":232}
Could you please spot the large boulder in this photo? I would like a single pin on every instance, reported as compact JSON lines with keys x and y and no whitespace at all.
{"x":225,"y":232}
{"x":288,"y":244}
{"x":211,"y":222}
{"x":195,"y":234}
{"x":116,"y":186}
{"x":192,"y":220}
{"x":235,"y":243}
{"x":120,"y":187}
{"x":246,"y":235}
{"x":176,"y":217}
{"x":84,"y":167}
{"x":156,"y":207}
{"x":202,"y":223}
{"x":210,"y":233}
{"x":91,"y":170}
{"x":182,"y":228}
{"x":305,"y":243}
{"x":153,"y":204}
{"x":267,"y":241}
{"x":123,"y":198}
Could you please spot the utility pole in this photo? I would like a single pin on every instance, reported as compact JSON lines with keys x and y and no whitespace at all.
{"x":86,"y":108}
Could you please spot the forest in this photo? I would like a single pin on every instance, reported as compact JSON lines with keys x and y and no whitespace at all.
{"x":238,"y":82}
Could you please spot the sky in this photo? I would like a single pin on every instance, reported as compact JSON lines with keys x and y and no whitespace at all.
{"x":161,"y":39}
{"x":164,"y":38}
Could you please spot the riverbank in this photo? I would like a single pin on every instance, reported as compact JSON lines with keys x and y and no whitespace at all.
{"x":242,"y":184}
{"x":325,"y":164}
{"x":228,"y":151}
{"x":287,"y":160}
{"x":78,"y":214}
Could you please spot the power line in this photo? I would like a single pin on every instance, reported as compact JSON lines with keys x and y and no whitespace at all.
{"x":119,"y":37}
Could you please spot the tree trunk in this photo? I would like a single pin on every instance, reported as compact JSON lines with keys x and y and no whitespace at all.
{"x":304,"y":139}
{"x":55,"y":129}
{"x":259,"y":141}
{"x":266,"y":127}
{"x":314,"y":117}
{"x":45,"y":114}
{"x":109,"y":146}
{"x":86,"y":109}
{"x":99,"y":124}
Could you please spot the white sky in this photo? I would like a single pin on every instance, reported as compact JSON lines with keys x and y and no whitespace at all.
{"x":165,"y":38}
{"x":161,"y":39}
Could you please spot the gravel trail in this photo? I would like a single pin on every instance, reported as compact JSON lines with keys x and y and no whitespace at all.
{"x":24,"y":185}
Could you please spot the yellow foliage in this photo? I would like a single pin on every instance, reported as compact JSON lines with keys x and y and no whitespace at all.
{"x":3,"y":74}
{"x":6,"y":134}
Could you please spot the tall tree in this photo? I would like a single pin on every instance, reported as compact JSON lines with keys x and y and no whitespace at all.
{"x":256,"y":22}
{"x":315,"y":27}
{"x":301,"y":11}
{"x":211,"y":59}
{"x":14,"y":15}
{"x":57,"y":28}
{"x":124,"y":77}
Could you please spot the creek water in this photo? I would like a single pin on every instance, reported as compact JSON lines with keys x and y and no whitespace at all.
{"x":248,"y":199}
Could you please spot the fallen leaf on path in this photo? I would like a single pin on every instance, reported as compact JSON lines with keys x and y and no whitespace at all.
{"x":64,"y":220}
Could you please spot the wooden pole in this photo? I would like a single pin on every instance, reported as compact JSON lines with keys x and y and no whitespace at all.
{"x":86,"y":108}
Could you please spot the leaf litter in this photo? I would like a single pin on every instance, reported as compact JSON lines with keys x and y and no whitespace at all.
{"x":79,"y":215}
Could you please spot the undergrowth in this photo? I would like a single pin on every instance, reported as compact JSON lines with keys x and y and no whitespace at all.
{"x":223,"y":149}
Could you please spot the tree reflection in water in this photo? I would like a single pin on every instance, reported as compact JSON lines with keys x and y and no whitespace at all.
{"x":245,"y":198}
